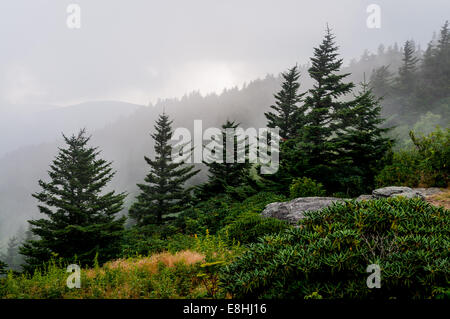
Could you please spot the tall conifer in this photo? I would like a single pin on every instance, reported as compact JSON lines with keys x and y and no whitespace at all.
{"x":164,"y":191}
{"x":362,"y":143}
{"x":288,"y":113}
{"x":225,"y":176}
{"x":324,"y":106}
{"x":80,"y":217}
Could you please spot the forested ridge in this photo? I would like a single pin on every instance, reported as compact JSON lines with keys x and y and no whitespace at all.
{"x":196,"y":230}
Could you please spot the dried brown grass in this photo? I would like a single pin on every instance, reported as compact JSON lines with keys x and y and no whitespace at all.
{"x":150,"y":264}
{"x":441,"y":199}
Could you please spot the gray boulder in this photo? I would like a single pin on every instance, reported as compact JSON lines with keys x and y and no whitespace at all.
{"x":394,"y":191}
{"x":428,"y":191}
{"x":364,"y":197}
{"x":292,"y":211}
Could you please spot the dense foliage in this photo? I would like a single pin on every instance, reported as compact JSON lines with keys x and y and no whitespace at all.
{"x":226,"y":174}
{"x":81,"y":220}
{"x":163,"y":192}
{"x":211,"y":241}
{"x":425,"y":163}
{"x":305,"y":187}
{"x":287,"y":109}
{"x":339,"y":140}
{"x":328,"y":255}
{"x":2,"y":267}
{"x":219,"y":211}
{"x":249,"y":227}
{"x":187,"y":271}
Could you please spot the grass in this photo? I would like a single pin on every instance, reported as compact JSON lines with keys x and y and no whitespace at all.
{"x":190,"y":273}
{"x":162,"y":275}
{"x":441,"y":199}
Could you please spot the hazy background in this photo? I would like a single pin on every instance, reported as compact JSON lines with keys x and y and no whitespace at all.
{"x":141,"y":50}
{"x":130,"y":59}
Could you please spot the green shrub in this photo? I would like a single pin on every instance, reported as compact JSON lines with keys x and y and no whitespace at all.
{"x":329,"y":254}
{"x":305,"y":187}
{"x":250,"y":226}
{"x":427,"y":163}
{"x":253,"y":204}
{"x":2,"y":268}
{"x":160,"y":276}
{"x":147,"y":240}
{"x":217,"y":247}
{"x":434,"y":151}
{"x":209,"y":214}
{"x":142,"y":241}
{"x":402,"y":172}
{"x":219,"y":211}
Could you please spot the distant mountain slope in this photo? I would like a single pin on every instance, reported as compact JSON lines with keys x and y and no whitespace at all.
{"x":22,"y":125}
{"x":121,"y":130}
{"x":125,"y":141}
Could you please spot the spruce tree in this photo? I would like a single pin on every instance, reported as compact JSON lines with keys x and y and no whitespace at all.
{"x":288,"y":114}
{"x":3,"y":267}
{"x":80,"y":221}
{"x":225,"y":176}
{"x":443,"y":61}
{"x":381,"y":82}
{"x":362,"y":143}
{"x":164,"y":191}
{"x":407,"y":72}
{"x":435,"y":70}
{"x":316,"y":151}
{"x":12,"y":253}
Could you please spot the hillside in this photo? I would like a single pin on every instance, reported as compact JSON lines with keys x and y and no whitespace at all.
{"x":121,"y":130}
{"x":26,"y":125}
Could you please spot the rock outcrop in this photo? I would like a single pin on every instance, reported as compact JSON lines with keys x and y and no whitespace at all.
{"x":292,"y":211}
{"x":394,"y":191}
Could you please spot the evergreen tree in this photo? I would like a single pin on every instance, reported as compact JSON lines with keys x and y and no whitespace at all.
{"x":12,"y":253}
{"x":407,"y":72}
{"x":3,"y":267}
{"x":163,"y":192}
{"x":225,"y":176}
{"x":81,"y":220}
{"x":435,"y":69}
{"x":381,"y":82}
{"x":362,"y":143}
{"x":316,"y":149}
{"x":287,"y":115}
{"x":290,"y":166}
{"x":442,"y":79}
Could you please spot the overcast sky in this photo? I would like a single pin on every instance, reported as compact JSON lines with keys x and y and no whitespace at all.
{"x":140,"y":50}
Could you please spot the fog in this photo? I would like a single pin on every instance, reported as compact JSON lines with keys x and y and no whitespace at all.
{"x":138,"y":51}
{"x":131,"y":59}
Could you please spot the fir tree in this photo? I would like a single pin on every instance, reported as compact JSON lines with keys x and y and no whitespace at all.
{"x":442,"y":78}
{"x":435,"y":69}
{"x":381,"y":82}
{"x":3,"y":267}
{"x":407,"y":72}
{"x":81,"y":219}
{"x":362,"y":143}
{"x":316,"y":150}
{"x":12,"y":253}
{"x":287,"y":115}
{"x":225,"y":176}
{"x":164,"y":191}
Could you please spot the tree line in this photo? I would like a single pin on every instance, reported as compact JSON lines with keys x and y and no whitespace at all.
{"x":333,"y":134}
